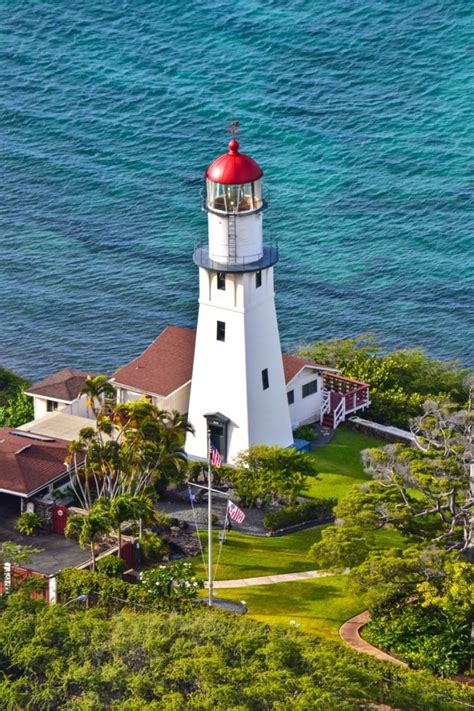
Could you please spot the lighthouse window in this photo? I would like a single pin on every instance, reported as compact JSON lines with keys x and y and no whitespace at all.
{"x":310,"y":388}
{"x":220,"y":331}
{"x":265,"y":382}
{"x":291,"y":397}
{"x":258,"y":279}
{"x":221,"y":281}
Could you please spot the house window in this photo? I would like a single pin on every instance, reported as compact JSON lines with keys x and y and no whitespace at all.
{"x":310,"y":388}
{"x":265,"y":382}
{"x":51,"y":405}
{"x":221,"y":281}
{"x":258,"y":279}
{"x":221,"y":331}
{"x":291,"y":397}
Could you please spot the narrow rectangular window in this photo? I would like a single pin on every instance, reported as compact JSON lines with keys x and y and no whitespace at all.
{"x":220,"y":331}
{"x":221,"y":281}
{"x":265,"y":382}
{"x":291,"y":397}
{"x":310,"y":388}
{"x":51,"y":405}
{"x":258,"y":279}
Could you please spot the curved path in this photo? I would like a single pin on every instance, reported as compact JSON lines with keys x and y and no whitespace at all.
{"x":269,"y":579}
{"x":349,"y":632}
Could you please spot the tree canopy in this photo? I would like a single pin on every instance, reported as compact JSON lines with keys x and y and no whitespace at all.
{"x":400,"y":381}
{"x":197,"y":659}
{"x":264,"y":474}
{"x":132,"y":445}
{"x":425,"y":493}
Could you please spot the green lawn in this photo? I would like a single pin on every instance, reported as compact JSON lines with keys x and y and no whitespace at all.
{"x":319,"y":606}
{"x":246,"y":556}
{"x":339,"y":464}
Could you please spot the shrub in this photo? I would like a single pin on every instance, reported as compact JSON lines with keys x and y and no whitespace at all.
{"x":304,"y":432}
{"x":28,"y":523}
{"x":104,"y":589}
{"x":162,"y":521}
{"x":176,"y":580}
{"x":423,"y":636}
{"x":111,"y":565}
{"x":152,"y":547}
{"x":400,"y":381}
{"x":316,"y":510}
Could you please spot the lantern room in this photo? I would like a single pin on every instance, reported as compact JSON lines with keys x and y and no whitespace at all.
{"x":234,"y":182}
{"x":234,"y":203}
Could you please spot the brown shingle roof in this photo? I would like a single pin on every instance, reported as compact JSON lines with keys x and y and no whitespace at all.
{"x":292,"y":365}
{"x":165,"y":366}
{"x":28,"y":464}
{"x":64,"y":385}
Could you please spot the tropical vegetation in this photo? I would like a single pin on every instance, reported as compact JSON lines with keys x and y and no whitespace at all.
{"x":424,"y":493}
{"x":28,"y":523}
{"x":132,"y":446}
{"x":264,"y":475}
{"x":197,"y":659}
{"x":400,"y":381}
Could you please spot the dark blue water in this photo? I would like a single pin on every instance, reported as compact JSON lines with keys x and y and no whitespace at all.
{"x":359,"y":112}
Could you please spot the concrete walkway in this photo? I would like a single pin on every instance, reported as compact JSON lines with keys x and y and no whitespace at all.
{"x":270,"y":579}
{"x":349,"y":633}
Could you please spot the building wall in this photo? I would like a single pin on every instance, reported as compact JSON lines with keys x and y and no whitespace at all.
{"x":307,"y":409}
{"x":76,"y":407}
{"x":179,"y":400}
{"x":227,"y":376}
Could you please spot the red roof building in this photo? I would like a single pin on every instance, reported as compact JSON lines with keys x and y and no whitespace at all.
{"x":29,"y":463}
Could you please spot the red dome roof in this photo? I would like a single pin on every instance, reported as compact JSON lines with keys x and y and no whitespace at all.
{"x":234,"y":168}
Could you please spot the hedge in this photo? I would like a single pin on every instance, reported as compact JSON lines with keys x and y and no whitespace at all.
{"x":315,"y":510}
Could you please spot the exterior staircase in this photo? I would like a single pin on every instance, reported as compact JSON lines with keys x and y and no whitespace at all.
{"x":342,"y":397}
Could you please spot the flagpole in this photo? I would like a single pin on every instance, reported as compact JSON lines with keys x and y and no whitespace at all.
{"x":209,"y":516}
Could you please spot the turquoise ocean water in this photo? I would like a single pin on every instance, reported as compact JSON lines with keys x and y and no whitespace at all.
{"x":360,"y":112}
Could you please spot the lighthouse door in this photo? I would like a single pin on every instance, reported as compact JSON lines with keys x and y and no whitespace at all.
{"x":218,"y":438}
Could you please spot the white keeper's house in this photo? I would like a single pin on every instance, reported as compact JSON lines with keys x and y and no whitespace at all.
{"x":229,"y":374}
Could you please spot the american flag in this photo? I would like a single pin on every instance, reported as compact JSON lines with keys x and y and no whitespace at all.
{"x":216,"y":459}
{"x":234,"y":512}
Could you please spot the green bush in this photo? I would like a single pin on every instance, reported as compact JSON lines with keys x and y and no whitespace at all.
{"x":152,"y":547}
{"x":111,"y":565}
{"x":304,"y":432}
{"x":28,"y":523}
{"x":162,"y":521}
{"x":400,"y":381}
{"x":176,"y":580}
{"x":316,"y":510}
{"x":424,"y":636}
{"x":196,"y":658}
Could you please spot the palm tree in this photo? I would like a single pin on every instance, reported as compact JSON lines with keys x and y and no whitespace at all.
{"x":88,"y":529}
{"x":99,"y":393}
{"x":132,"y":445}
{"x":143,"y":509}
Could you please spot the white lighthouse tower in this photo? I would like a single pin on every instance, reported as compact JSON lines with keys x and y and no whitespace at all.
{"x":238,"y":386}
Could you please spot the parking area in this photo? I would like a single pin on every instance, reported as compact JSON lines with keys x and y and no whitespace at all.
{"x":57,"y":552}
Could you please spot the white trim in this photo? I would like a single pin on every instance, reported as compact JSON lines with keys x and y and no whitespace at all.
{"x":148,"y":392}
{"x":49,"y":397}
{"x":312,"y":367}
{"x":35,"y":491}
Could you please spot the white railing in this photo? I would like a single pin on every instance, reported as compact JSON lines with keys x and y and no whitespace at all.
{"x":339,"y":413}
{"x":326,"y":403}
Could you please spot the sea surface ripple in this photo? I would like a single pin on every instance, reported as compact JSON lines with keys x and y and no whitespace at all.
{"x":359,"y":112}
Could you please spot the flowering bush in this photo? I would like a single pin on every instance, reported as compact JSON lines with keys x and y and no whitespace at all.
{"x":175,"y":580}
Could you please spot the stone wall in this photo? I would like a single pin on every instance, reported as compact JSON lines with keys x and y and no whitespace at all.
{"x":374,"y":429}
{"x":44,"y":509}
